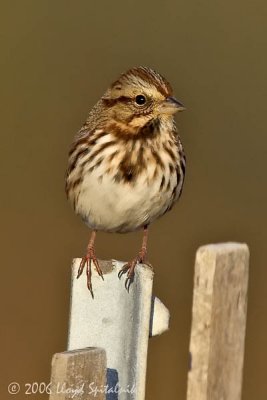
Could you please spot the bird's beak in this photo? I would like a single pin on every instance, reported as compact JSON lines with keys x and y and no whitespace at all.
{"x":170,"y":106}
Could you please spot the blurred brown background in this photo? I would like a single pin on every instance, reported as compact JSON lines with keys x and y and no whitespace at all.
{"x":57,"y":58}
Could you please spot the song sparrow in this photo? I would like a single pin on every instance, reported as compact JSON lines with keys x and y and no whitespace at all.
{"x":126,"y":165}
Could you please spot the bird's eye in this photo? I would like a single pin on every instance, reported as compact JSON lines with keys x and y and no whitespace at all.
{"x":140,"y":99}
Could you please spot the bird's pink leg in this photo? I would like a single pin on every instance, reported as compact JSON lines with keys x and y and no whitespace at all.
{"x":129,"y":267}
{"x":87,"y":259}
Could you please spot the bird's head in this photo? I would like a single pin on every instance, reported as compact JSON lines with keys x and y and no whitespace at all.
{"x":139,"y":97}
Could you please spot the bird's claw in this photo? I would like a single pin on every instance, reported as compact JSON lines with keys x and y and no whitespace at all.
{"x":90,"y":256}
{"x":129,"y":268}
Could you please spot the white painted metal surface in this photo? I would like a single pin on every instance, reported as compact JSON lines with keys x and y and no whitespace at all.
{"x":118,"y":321}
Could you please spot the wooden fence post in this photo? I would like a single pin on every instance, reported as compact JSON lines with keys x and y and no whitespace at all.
{"x":79,"y":374}
{"x":218,"y":322}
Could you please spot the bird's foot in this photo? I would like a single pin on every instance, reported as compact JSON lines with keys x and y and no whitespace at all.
{"x":129,"y":268}
{"x":86,"y":261}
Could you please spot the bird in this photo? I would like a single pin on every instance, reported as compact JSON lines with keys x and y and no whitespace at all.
{"x":126,"y":165}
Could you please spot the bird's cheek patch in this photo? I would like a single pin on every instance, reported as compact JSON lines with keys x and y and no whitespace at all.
{"x":139,"y":120}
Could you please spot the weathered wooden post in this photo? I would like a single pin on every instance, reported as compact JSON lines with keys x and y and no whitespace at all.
{"x":77,"y":374}
{"x":218,"y":322}
{"x":119,"y":322}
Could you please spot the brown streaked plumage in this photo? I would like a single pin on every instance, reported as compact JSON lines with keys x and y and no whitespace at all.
{"x":126,"y":164}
